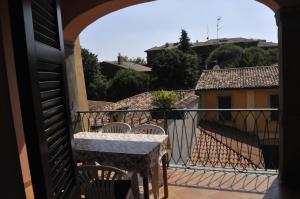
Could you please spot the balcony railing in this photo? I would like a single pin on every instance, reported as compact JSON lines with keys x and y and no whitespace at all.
{"x":238,"y":139}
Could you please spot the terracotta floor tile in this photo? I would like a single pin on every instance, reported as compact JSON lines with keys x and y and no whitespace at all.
{"x":203,"y":184}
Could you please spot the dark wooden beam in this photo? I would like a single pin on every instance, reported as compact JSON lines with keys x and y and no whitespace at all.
{"x":11,"y":175}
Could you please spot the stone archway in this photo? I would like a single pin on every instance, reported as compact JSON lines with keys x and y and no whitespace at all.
{"x":78,"y":14}
{"x":77,"y":18}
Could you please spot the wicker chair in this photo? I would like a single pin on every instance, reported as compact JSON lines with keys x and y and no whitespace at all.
{"x":103,"y":182}
{"x":148,"y":129}
{"x":116,"y":127}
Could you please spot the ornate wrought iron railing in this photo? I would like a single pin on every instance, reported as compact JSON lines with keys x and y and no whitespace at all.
{"x":239,"y":139}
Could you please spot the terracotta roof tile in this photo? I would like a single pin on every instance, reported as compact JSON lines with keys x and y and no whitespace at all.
{"x":238,"y":78}
{"x":144,"y":101}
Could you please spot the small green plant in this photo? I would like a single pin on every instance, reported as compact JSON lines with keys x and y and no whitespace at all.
{"x":164,"y":99}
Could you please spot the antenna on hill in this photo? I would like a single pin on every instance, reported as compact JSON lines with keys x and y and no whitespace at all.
{"x":207,"y":31}
{"x":218,"y":27}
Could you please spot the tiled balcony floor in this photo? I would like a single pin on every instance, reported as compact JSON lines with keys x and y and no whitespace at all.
{"x":202,"y":184}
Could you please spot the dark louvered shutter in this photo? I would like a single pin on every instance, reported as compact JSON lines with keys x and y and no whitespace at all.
{"x":42,"y":83}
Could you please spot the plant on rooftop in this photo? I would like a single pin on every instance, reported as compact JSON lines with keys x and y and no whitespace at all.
{"x":164,"y":102}
{"x":164,"y":99}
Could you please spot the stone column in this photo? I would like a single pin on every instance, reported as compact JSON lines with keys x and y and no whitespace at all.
{"x":288,"y":21}
{"x":75,"y":78}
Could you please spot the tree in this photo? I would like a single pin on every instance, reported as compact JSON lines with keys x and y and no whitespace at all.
{"x":272,"y":56}
{"x":253,"y":56}
{"x":137,"y":60}
{"x":174,"y":69}
{"x":91,"y":65}
{"x":226,"y":56}
{"x":96,"y":83}
{"x":98,"y":88}
{"x":184,"y":42}
{"x":127,"y":83}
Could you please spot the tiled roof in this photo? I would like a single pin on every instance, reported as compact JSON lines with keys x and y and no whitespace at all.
{"x":144,"y":101}
{"x":96,"y":105}
{"x":130,"y":65}
{"x":137,"y":102}
{"x":222,"y":146}
{"x":239,"y":78}
{"x":212,"y":42}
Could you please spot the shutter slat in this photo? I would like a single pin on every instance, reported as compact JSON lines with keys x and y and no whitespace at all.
{"x":57,"y":144}
{"x":44,"y":5}
{"x":47,"y":95}
{"x":48,"y":67}
{"x":51,"y":103}
{"x":52,"y":120}
{"x":42,"y":9}
{"x":59,"y":151}
{"x":52,"y":111}
{"x":62,"y":180}
{"x":50,"y":85}
{"x":60,"y":164}
{"x":67,"y":189}
{"x":55,"y":127}
{"x":48,"y":76}
{"x":45,"y":23}
{"x":44,"y":39}
{"x":51,"y":139}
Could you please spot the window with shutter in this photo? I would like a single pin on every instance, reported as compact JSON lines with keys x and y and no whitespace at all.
{"x":44,"y":99}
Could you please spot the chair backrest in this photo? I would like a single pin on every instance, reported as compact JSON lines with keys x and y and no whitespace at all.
{"x":103,"y":182}
{"x":116,"y":127}
{"x":148,"y":129}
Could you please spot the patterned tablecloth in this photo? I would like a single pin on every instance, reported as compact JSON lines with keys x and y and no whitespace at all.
{"x":132,"y":152}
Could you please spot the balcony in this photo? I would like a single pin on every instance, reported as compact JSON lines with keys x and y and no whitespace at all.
{"x":215,"y":153}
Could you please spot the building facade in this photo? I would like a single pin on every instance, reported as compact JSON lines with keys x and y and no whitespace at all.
{"x":241,"y":88}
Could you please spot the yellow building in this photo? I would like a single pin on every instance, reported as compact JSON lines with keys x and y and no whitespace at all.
{"x":242,"y":88}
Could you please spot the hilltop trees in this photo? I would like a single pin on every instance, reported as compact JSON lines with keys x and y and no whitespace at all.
{"x":255,"y":56}
{"x":230,"y":56}
{"x":226,"y":56}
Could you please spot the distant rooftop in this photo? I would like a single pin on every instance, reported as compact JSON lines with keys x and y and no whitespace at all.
{"x":130,"y":65}
{"x":144,"y":101}
{"x":212,"y":42}
{"x":239,"y":78}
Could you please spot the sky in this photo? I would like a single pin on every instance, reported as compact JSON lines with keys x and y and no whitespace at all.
{"x":133,"y":30}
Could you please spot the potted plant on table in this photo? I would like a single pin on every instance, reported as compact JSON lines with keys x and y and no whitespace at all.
{"x":164,"y":102}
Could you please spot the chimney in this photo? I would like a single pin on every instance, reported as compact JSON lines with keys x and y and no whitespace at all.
{"x":120,"y":59}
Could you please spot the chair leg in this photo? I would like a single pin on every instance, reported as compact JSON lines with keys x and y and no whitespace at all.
{"x":146,"y":187}
{"x":154,"y":180}
{"x":165,"y":175}
{"x":135,"y":185}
